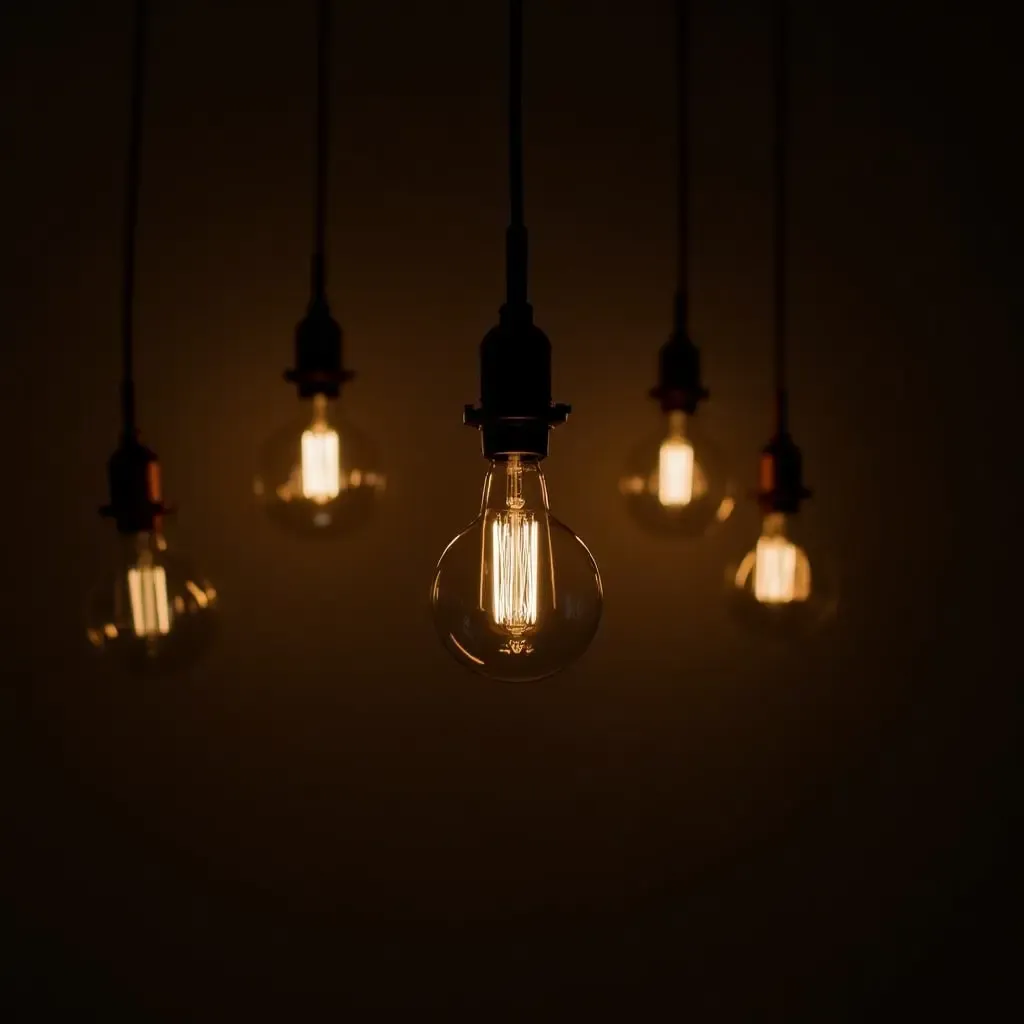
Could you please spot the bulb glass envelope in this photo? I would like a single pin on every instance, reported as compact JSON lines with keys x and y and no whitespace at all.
{"x":318,"y":474}
{"x":676,"y":481}
{"x":517,"y":596}
{"x":152,"y":611}
{"x":783,"y":584}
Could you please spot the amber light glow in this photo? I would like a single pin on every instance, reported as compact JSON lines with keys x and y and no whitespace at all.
{"x":514,"y":559}
{"x":147,"y":590}
{"x":782,"y":571}
{"x":321,"y":457}
{"x":514,"y":555}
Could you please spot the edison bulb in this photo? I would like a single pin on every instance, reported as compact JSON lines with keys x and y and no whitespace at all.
{"x":153,"y":613}
{"x":676,"y":482}
{"x":318,"y":475}
{"x":778,"y":585}
{"x":517,"y":596}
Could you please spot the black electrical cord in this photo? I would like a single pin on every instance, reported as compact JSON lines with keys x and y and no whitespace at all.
{"x":516,"y":244}
{"x":319,"y":269}
{"x":781,"y":166}
{"x":131,"y":219}
{"x":682,"y":166}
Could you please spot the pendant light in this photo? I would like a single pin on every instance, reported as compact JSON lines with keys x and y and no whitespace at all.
{"x":517,"y":595}
{"x":318,"y":474}
{"x":152,"y":612}
{"x":778,"y":585}
{"x":676,"y":481}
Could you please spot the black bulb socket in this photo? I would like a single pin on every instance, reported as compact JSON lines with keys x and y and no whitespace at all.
{"x":319,"y":364}
{"x":515,"y":415}
{"x":679,"y":387}
{"x":780,"y":480}
{"x":133,"y":474}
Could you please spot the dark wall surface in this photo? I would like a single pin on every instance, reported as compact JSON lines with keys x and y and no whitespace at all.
{"x":328,"y":813}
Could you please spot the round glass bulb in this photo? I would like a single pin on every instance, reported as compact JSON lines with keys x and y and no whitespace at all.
{"x":318,"y":476}
{"x":781,"y":586}
{"x":517,"y":595}
{"x":152,"y":613}
{"x":676,"y":482}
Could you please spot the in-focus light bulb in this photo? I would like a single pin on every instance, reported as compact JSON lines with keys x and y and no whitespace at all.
{"x":675,"y":482}
{"x":517,"y":596}
{"x":319,"y":477}
{"x":153,"y":612}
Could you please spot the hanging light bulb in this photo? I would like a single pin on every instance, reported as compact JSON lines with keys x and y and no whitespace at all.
{"x":151,"y":611}
{"x":516,"y":596}
{"x":318,"y":475}
{"x":781,"y":584}
{"x":676,"y":481}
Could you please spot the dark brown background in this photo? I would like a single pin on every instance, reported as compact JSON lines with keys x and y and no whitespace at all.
{"x":328,"y":812}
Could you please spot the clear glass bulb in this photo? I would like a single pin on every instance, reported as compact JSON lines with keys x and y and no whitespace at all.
{"x":676,"y":482}
{"x":517,"y":595}
{"x":777,"y":585}
{"x":152,"y":613}
{"x":319,"y":476}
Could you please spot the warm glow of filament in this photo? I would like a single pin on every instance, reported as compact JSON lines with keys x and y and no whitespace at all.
{"x":675,"y":472}
{"x":321,"y":463}
{"x":514,"y":569}
{"x":781,"y":572}
{"x":147,"y":590}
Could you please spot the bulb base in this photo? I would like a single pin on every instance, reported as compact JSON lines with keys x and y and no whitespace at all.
{"x":679,"y":387}
{"x":516,"y":413}
{"x":133,"y":473}
{"x":319,"y":365}
{"x":780,"y":482}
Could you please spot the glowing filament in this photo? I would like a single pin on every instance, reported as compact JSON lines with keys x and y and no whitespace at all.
{"x":515,"y":556}
{"x":781,"y":573}
{"x":675,"y":472}
{"x":147,"y":590}
{"x":321,"y":457}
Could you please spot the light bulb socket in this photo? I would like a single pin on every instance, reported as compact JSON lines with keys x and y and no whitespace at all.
{"x":780,"y":480}
{"x":133,"y":474}
{"x":679,"y":387}
{"x":319,"y":365}
{"x":516,"y":413}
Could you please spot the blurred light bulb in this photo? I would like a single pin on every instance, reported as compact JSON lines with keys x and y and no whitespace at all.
{"x":773,"y":585}
{"x":675,"y":482}
{"x":781,"y":569}
{"x":676,"y":467}
{"x":153,"y":612}
{"x":321,"y":457}
{"x":147,"y":587}
{"x":517,"y":596}
{"x":318,"y":477}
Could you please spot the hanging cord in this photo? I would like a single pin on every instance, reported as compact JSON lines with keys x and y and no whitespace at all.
{"x":781,"y":138}
{"x":131,"y":219}
{"x":516,"y":245}
{"x":682,"y":166}
{"x":319,"y":270}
